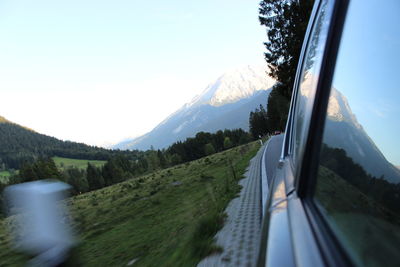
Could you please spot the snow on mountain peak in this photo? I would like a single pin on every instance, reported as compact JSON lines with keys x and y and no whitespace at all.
{"x":234,"y":85}
{"x":339,"y":109}
{"x":224,"y":104}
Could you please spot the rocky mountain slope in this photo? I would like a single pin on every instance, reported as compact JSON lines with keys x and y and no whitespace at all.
{"x":224,"y":104}
{"x":344,"y":131}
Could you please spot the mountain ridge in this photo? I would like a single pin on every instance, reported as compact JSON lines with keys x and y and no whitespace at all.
{"x":224,"y":104}
{"x":19,"y":145}
{"x":234,"y":85}
{"x":344,"y":131}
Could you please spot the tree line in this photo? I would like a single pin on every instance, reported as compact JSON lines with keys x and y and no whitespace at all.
{"x":120,"y":167}
{"x":377,"y":188}
{"x":19,"y":145}
{"x":258,"y":123}
{"x":205,"y":144}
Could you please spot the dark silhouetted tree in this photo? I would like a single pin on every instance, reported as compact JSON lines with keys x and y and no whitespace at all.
{"x":161,"y":159}
{"x":77,"y":179}
{"x":286,"y":22}
{"x":176,"y":159}
{"x":258,"y":122}
{"x":43,"y":168}
{"x":94,"y":177}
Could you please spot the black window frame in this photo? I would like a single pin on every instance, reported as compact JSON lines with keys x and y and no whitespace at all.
{"x":304,"y":184}
{"x":289,"y":143}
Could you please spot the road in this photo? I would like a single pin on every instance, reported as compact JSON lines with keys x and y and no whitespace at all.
{"x":272,"y":155}
{"x":240,"y":236}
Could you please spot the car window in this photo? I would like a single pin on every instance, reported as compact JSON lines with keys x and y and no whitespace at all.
{"x":308,"y":80}
{"x":358,"y":180}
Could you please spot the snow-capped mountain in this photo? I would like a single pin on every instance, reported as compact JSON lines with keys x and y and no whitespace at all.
{"x":339,"y":109}
{"x":224,"y":104}
{"x":233,"y":86}
{"x":342,"y":130}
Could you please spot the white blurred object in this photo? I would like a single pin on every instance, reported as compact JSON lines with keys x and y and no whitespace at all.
{"x":41,"y":226}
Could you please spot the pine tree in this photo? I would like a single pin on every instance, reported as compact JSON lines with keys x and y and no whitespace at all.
{"x":176,"y":159}
{"x":161,"y":159}
{"x":227,"y":143}
{"x":112,"y":173}
{"x":152,"y":160}
{"x":258,"y":123}
{"x":77,"y":179}
{"x":209,"y":149}
{"x":94,"y":177}
{"x":286,"y":22}
{"x":43,"y":168}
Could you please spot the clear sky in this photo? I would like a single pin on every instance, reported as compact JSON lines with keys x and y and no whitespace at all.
{"x":99,"y":71}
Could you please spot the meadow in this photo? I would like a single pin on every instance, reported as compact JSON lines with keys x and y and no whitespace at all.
{"x":4,"y":176}
{"x":166,"y":218}
{"x":64,"y":163}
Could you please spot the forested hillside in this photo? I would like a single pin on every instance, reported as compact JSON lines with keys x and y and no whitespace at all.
{"x":19,"y":144}
{"x":168,"y":216}
{"x":377,"y":188}
{"x":33,"y":155}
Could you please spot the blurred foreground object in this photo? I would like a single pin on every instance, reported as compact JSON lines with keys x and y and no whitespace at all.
{"x":40,"y":227}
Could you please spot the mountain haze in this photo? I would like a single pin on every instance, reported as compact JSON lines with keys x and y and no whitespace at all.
{"x":224,"y":104}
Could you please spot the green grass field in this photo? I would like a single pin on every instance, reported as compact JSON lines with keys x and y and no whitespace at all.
{"x":63,"y":163}
{"x":166,"y":218}
{"x":4,"y":175}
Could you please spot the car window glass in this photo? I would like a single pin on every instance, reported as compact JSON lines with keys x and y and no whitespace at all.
{"x":358,"y":182}
{"x":308,"y":79}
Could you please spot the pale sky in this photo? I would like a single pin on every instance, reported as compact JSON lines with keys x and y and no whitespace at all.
{"x":367,"y":72}
{"x":100,"y":71}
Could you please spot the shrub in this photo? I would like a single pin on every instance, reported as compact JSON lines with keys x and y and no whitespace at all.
{"x":202,"y":240}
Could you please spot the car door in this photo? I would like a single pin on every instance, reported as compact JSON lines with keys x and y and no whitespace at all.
{"x":334,"y":199}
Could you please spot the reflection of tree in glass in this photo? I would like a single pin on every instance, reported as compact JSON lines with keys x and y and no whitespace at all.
{"x":286,"y":22}
{"x":378,"y":189}
{"x":315,"y":44}
{"x":309,"y":78}
{"x":361,"y":209}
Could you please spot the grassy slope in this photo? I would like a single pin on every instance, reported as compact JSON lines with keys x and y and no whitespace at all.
{"x":4,"y":175}
{"x":62,"y":163}
{"x":367,"y":228}
{"x":150,"y":219}
{"x":77,"y":163}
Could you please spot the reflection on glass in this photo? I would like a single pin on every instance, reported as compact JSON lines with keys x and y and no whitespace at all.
{"x":358,"y":186}
{"x":309,"y":77}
